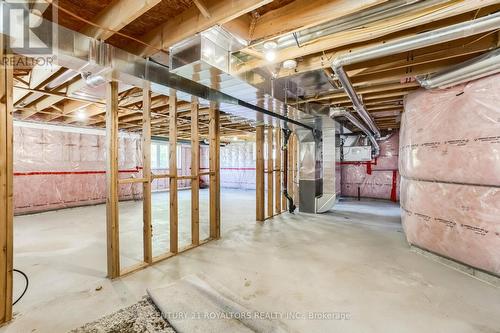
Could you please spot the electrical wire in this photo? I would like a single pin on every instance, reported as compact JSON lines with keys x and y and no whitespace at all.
{"x":25,"y":288}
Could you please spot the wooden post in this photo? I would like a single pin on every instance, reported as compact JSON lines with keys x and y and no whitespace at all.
{"x":214,"y":160}
{"x":112,"y":214}
{"x":195,"y":173}
{"x":259,"y":187}
{"x":146,"y":174}
{"x":270,"y":167}
{"x":294,"y":169}
{"x":284,"y":202}
{"x":172,"y":138}
{"x":277,"y":179}
{"x":291,"y":145}
{"x":6,"y":189}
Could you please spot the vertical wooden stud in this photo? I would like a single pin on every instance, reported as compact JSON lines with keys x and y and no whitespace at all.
{"x":270,"y":167}
{"x":112,"y":217}
{"x":172,"y":138}
{"x":259,"y":187}
{"x":277,"y":174}
{"x":284,"y":203}
{"x":291,"y":145}
{"x":214,"y":160}
{"x":6,"y":189}
{"x":295,"y":169}
{"x":146,"y":173}
{"x":195,"y":171}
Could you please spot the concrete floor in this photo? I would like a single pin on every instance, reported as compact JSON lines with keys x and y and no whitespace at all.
{"x":353,"y":260}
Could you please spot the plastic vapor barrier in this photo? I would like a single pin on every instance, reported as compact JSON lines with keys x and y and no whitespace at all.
{"x":450,"y":164}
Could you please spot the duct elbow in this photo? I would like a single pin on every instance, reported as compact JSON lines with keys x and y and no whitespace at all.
{"x":337,"y":63}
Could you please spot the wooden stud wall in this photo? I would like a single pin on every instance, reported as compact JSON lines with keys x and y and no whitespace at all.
{"x":214,"y":168}
{"x":277,"y":176}
{"x":146,"y":174}
{"x":195,"y":173}
{"x":270,"y":173}
{"x":112,"y":207}
{"x":6,"y":190}
{"x":172,"y":139}
{"x":112,"y":223}
{"x":274,"y":202}
{"x":259,"y":182}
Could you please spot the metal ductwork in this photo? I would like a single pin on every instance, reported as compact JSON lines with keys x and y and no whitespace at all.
{"x":484,"y":65}
{"x":356,"y":101}
{"x":348,"y":22}
{"x":461,"y":30}
{"x":83,"y":54}
{"x":340,"y":112}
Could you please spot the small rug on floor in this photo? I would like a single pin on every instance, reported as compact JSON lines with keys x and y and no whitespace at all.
{"x":142,"y":317}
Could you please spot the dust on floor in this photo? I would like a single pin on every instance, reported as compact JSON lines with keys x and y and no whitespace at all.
{"x":141,"y":317}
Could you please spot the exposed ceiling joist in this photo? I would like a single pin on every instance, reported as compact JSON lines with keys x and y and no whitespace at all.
{"x":116,"y":16}
{"x":424,"y":19}
{"x":191,"y":21}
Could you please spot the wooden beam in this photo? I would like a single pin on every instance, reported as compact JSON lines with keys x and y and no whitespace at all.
{"x":116,"y":16}
{"x":112,"y":214}
{"x":270,"y":168}
{"x":302,"y":14}
{"x":172,"y":140}
{"x":195,"y":172}
{"x":214,"y":168}
{"x":277,"y":175}
{"x":191,"y":21}
{"x":259,"y":187}
{"x":146,"y":173}
{"x":202,"y":7}
{"x":6,"y":188}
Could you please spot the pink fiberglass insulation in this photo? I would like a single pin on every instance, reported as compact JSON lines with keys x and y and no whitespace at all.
{"x":453,"y":135}
{"x":461,"y":222}
{"x":56,"y":167}
{"x":380,"y":179}
{"x":238,"y":165}
{"x":450,"y":166}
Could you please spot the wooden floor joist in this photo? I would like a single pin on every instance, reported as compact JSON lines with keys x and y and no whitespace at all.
{"x":6,"y":190}
{"x":112,"y":214}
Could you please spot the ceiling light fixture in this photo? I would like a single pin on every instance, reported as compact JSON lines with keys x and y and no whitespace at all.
{"x":81,"y":115}
{"x":270,"y":45}
{"x":290,"y":64}
{"x":270,"y":55}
